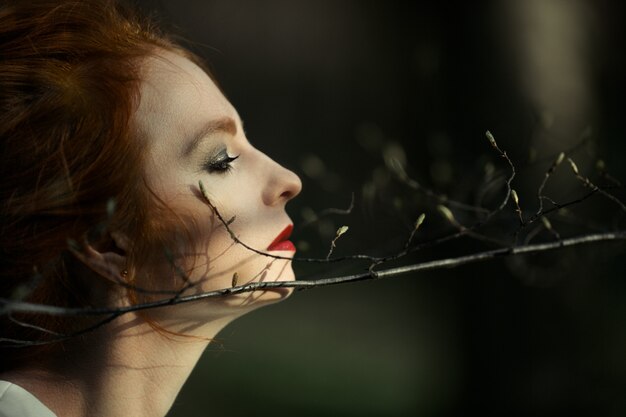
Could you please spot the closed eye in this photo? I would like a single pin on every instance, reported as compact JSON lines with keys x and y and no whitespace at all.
{"x":220,"y":164}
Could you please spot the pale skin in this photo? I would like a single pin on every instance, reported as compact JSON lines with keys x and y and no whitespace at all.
{"x":127,"y":368}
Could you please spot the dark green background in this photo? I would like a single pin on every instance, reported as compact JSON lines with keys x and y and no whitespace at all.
{"x":329,"y":80}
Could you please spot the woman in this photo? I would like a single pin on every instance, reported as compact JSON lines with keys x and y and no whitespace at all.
{"x":107,"y":127}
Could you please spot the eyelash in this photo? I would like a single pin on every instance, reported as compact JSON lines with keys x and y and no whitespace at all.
{"x":221,"y":166}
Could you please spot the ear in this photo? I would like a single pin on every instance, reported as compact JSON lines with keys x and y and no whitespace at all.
{"x":121,"y":240}
{"x":109,"y":263}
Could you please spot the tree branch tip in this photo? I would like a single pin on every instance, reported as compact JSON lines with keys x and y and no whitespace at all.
{"x":203,"y":191}
{"x":445,"y":212}
{"x":546,"y":222}
{"x":491,"y":139}
{"x":515,"y":197}
{"x":573,"y":165}
{"x":341,"y":231}
{"x":419,"y":221}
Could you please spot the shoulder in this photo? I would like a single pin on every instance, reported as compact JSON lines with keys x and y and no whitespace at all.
{"x":15,"y":401}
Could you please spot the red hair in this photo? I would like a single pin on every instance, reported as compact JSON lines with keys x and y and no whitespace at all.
{"x":69,"y":86}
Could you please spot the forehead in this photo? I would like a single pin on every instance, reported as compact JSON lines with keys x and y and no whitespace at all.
{"x":177,"y":96}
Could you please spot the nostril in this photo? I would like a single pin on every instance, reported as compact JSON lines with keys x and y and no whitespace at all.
{"x":286,"y":185}
{"x":287,"y":195}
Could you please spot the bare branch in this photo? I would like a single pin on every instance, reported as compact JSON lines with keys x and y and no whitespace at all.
{"x":518,"y":209}
{"x":234,"y":237}
{"x":587,"y":183}
{"x":8,"y":306}
{"x":417,"y":225}
{"x":547,"y":175}
{"x":396,"y":168}
{"x":330,"y":211}
{"x":340,"y":231}
{"x":504,"y":155}
{"x":104,"y":315}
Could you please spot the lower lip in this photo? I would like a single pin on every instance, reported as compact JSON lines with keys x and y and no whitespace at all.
{"x":285,"y":245}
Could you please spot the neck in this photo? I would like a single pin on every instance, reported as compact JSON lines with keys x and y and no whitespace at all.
{"x":124,"y":368}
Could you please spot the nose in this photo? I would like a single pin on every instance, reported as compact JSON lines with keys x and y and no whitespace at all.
{"x":282,"y":185}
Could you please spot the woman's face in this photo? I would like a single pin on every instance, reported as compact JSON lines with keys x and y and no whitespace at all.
{"x":194,"y":134}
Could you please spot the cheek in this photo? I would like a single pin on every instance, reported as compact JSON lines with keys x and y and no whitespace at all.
{"x":210,"y":259}
{"x":204,"y":247}
{"x":220,"y":262}
{"x":215,"y":258}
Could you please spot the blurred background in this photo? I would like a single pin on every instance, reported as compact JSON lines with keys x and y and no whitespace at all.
{"x":348,"y":94}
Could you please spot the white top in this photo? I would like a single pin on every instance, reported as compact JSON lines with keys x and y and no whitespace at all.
{"x":15,"y":401}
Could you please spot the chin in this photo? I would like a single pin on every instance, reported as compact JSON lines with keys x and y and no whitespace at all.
{"x":278,"y":294}
{"x":274,"y":295}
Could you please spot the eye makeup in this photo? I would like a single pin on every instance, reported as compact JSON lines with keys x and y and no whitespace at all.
{"x":219,"y":162}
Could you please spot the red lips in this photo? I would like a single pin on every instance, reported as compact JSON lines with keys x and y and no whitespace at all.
{"x":282,"y":241}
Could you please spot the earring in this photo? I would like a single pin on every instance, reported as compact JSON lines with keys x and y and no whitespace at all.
{"x":125,"y":273}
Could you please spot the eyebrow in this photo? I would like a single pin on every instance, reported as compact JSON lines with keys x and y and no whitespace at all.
{"x":224,"y":124}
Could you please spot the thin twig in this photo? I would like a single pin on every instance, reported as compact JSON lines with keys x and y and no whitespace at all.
{"x":9,"y":306}
{"x":468,"y":231}
{"x":547,"y":175}
{"x":401,"y":175}
{"x":330,"y":211}
{"x":416,"y":227}
{"x":508,"y":182}
{"x":333,"y":244}
{"x":518,"y":209}
{"x":236,"y":239}
{"x":587,"y":183}
{"x":32,"y":326}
